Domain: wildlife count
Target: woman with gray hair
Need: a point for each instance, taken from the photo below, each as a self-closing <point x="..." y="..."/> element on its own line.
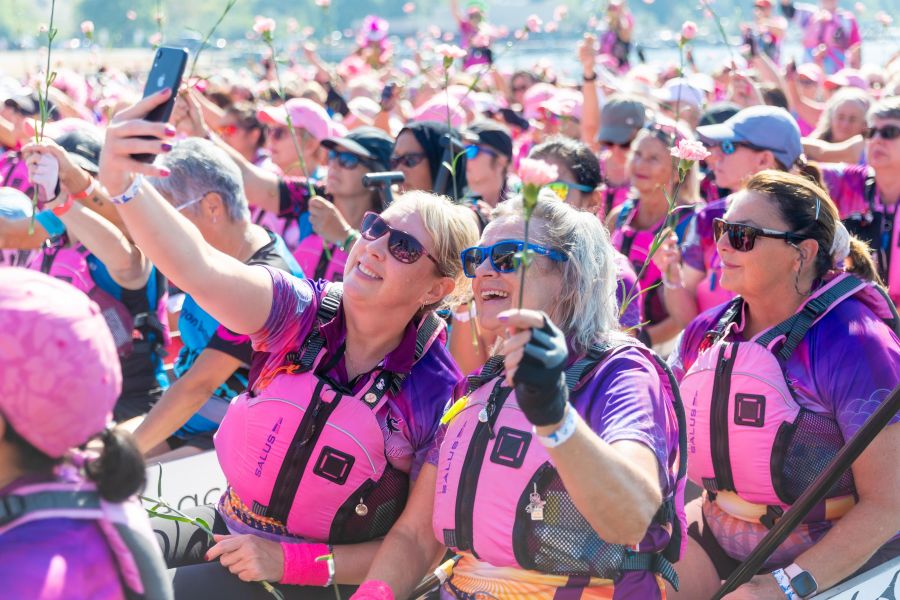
<point x="515" y="478"/>
<point x="213" y="366"/>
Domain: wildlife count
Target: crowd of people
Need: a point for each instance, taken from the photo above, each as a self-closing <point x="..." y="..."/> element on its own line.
<point x="556" y="338"/>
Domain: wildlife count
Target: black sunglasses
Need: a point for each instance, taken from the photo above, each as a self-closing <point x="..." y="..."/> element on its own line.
<point x="410" y="161"/>
<point x="402" y="246"/>
<point x="347" y="160"/>
<point x="888" y="132"/>
<point x="611" y="145"/>
<point x="743" y="237"/>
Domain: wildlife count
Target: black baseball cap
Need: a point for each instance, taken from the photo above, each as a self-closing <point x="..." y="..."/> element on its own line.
<point x="27" y="104"/>
<point x="83" y="147"/>
<point x="493" y="134"/>
<point x="369" y="142"/>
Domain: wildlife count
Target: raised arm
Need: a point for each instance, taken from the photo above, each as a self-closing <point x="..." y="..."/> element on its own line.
<point x="237" y="295"/>
<point x="590" y="118"/>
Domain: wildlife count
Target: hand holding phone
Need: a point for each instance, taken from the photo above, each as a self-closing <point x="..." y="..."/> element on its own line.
<point x="166" y="73"/>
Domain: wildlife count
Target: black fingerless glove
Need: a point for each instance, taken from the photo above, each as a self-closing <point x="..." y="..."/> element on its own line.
<point x="539" y="381"/>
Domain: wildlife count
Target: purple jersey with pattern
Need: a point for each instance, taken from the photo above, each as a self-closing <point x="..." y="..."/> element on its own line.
<point x="409" y="419"/>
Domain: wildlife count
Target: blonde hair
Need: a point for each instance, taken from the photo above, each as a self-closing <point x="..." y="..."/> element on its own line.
<point x="586" y="307"/>
<point x="452" y="227"/>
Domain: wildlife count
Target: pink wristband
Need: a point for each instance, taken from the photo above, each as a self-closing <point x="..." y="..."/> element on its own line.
<point x="373" y="590"/>
<point x="301" y="567"/>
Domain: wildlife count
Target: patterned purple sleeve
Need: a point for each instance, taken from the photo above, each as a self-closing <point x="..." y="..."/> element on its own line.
<point x="293" y="196"/>
<point x="289" y="320"/>
<point x="626" y="400"/>
<point x="855" y="364"/>
<point x="698" y="237"/>
<point x="846" y="184"/>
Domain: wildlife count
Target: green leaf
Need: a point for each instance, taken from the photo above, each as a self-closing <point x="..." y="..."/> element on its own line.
<point x="449" y="167"/>
<point x="203" y="525"/>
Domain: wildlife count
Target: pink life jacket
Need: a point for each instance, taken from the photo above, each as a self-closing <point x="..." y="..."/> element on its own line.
<point x="14" y="173"/>
<point x="315" y="261"/>
<point x="129" y="331"/>
<point x="124" y="526"/>
<point x="635" y="244"/>
<point x="499" y="496"/>
<point x="747" y="435"/>
<point x="710" y="292"/>
<point x="305" y="457"/>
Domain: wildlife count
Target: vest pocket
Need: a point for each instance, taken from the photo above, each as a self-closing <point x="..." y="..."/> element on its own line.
<point x="383" y="502"/>
<point x="562" y="542"/>
<point x="801" y="452"/>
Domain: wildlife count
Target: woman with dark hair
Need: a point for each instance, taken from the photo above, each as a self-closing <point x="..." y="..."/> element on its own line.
<point x="801" y="357"/>
<point x="420" y="152"/>
<point x="66" y="509"/>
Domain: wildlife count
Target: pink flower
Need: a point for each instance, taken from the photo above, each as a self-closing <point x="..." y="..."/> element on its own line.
<point x="449" y="51"/>
<point x="409" y="7"/>
<point x="688" y="31"/>
<point x="520" y="34"/>
<point x="691" y="150"/>
<point x="884" y="18"/>
<point x="131" y="15"/>
<point x="481" y="40"/>
<point x="533" y="23"/>
<point x="859" y="7"/>
<point x="87" y="27"/>
<point x="434" y="31"/>
<point x="263" y="25"/>
<point x="592" y="23"/>
<point x="502" y="31"/>
<point x="448" y="36"/>
<point x="323" y="3"/>
<point x="293" y="25"/>
<point x="155" y="39"/>
<point x="537" y="172"/>
<point x="551" y="26"/>
<point x="561" y="12"/>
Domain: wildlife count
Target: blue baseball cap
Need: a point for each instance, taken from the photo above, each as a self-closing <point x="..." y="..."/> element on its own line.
<point x="767" y="127"/>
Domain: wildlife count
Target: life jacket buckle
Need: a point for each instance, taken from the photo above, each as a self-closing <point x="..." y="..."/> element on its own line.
<point x="773" y="513"/>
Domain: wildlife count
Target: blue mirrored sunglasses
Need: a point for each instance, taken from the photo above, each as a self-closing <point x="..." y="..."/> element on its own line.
<point x="503" y="256"/>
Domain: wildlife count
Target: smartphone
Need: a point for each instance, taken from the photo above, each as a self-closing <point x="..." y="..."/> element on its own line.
<point x="388" y="92"/>
<point x="166" y="72"/>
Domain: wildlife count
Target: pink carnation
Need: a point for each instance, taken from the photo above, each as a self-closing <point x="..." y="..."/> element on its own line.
<point x="537" y="172"/>
<point x="323" y="3"/>
<point x="884" y="18"/>
<point x="409" y="7"/>
<point x="688" y="31"/>
<point x="533" y="23"/>
<point x="690" y="150"/>
<point x="561" y="12"/>
<point x="87" y="27"/>
<point x="860" y="7"/>
<point x="551" y="27"/>
<point x="264" y="25"/>
<point x="449" y="51"/>
<point x="131" y="15"/>
<point x="155" y="39"/>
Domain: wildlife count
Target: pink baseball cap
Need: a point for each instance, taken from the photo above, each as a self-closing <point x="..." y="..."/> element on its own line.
<point x="531" y="101"/>
<point x="436" y="109"/>
<point x="565" y="103"/>
<point x="304" y="113"/>
<point x="61" y="375"/>
<point x="811" y="71"/>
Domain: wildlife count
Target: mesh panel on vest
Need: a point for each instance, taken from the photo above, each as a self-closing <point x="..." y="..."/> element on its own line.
<point x="809" y="446"/>
<point x="563" y="543"/>
<point x="384" y="502"/>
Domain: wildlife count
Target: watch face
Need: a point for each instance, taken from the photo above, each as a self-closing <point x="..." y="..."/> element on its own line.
<point x="804" y="584"/>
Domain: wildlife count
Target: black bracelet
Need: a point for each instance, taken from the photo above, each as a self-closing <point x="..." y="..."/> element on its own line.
<point x="593" y="77"/>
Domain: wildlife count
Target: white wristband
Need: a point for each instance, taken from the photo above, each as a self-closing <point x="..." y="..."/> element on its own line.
<point x="330" y="564"/>
<point x="129" y="194"/>
<point x="784" y="582"/>
<point x="562" y="434"/>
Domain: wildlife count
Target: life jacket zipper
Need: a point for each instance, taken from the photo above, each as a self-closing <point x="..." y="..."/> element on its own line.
<point x="299" y="452"/>
<point x="471" y="468"/>
<point x="721" y="400"/>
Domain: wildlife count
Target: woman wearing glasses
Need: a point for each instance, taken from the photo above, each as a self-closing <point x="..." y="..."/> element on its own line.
<point x="513" y="484"/>
<point x="635" y="223"/>
<point x="777" y="381"/>
<point x="347" y="389"/>
<point x="867" y="196"/>
<point x="754" y="139"/>
<point x="420" y="153"/>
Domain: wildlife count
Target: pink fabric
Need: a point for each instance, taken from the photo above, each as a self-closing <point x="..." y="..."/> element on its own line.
<point x="301" y="566"/>
<point x="373" y="590"/>
<point x="61" y="373"/>
<point x="304" y="113"/>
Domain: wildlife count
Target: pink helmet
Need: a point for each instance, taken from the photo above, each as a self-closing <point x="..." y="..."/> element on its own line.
<point x="61" y="374"/>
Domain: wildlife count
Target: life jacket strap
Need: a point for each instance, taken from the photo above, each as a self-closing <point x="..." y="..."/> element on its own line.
<point x="651" y="561"/>
<point x="17" y="506"/>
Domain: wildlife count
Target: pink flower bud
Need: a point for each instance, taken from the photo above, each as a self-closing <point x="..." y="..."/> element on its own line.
<point x="409" y="7"/>
<point x="87" y="27"/>
<point x="688" y="31"/>
<point x="533" y="23"/>
<point x="264" y="25"/>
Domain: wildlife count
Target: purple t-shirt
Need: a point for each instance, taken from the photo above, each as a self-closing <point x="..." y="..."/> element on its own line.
<point x="625" y="398"/>
<point x="627" y="286"/>
<point x="408" y="420"/>
<point x="57" y="559"/>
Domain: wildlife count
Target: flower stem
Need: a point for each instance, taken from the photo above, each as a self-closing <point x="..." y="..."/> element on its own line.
<point x="42" y="103"/>
<point x="209" y="34"/>
<point x="524" y="263"/>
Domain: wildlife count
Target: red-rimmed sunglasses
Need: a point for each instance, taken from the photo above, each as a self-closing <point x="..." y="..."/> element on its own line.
<point x="742" y="237"/>
<point x="401" y="245"/>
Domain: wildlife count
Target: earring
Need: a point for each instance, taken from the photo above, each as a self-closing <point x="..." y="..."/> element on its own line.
<point x="797" y="282"/>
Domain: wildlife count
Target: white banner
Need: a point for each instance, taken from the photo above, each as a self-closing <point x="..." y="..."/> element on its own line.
<point x="187" y="482"/>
